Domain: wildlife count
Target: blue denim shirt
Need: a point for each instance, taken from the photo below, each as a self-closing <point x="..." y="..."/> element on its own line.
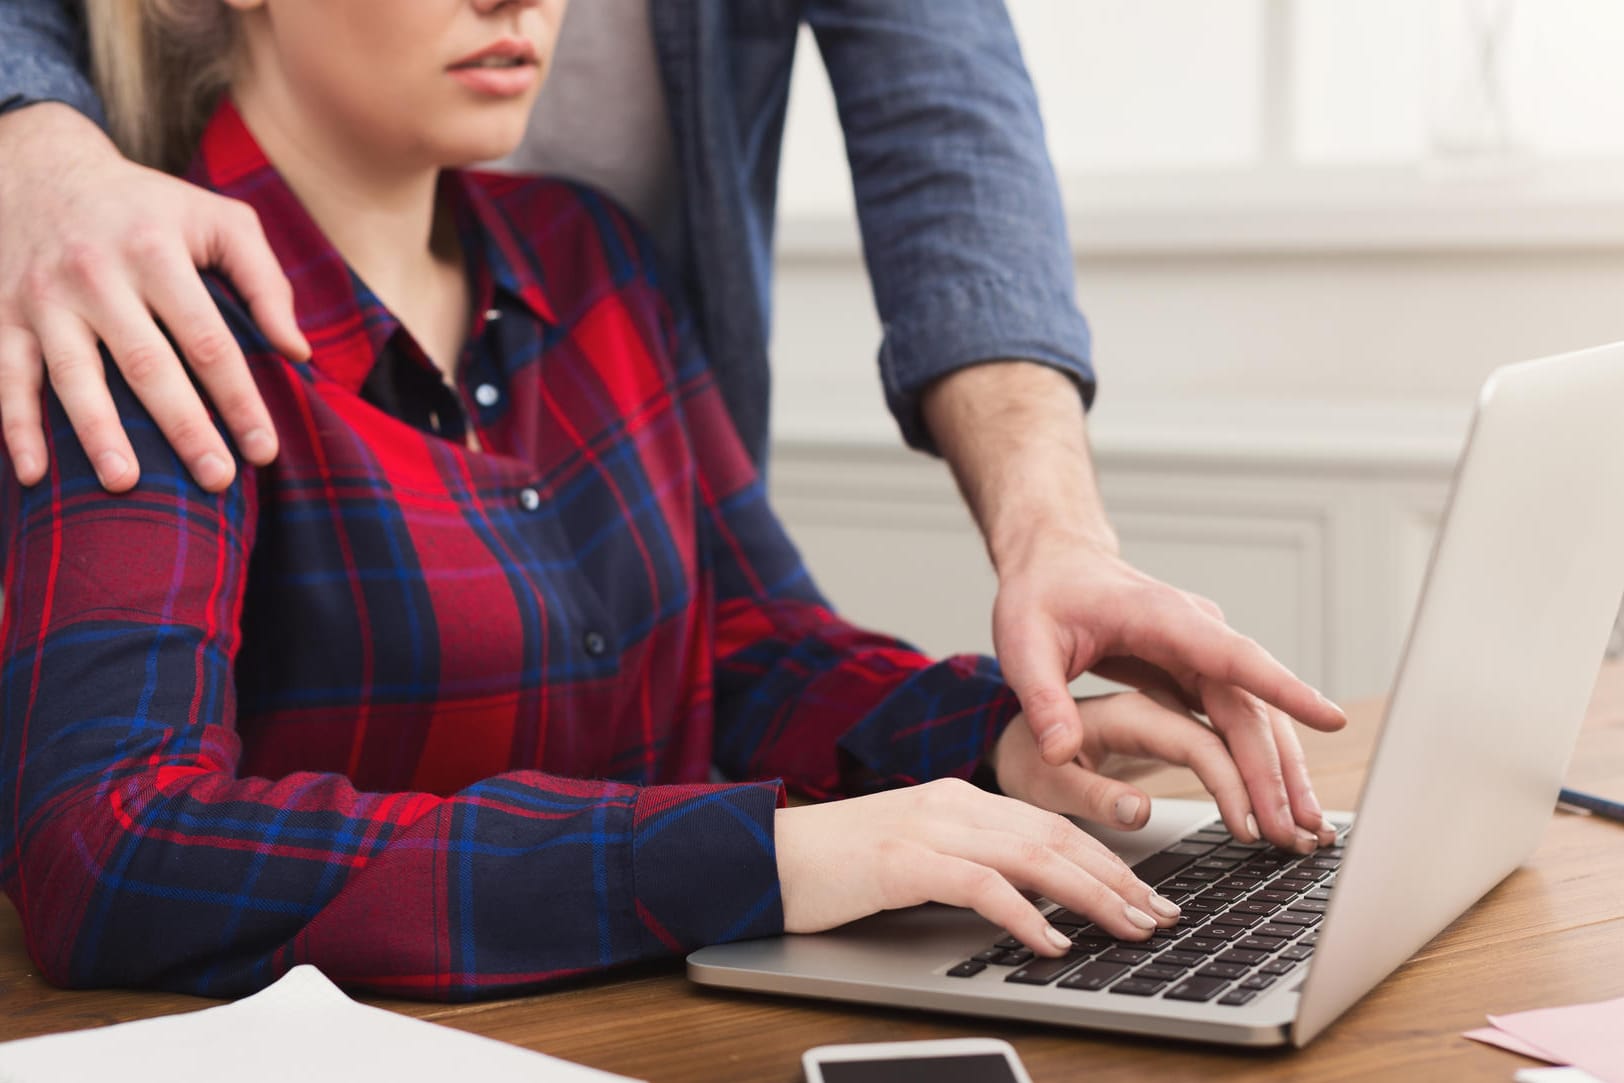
<point x="960" y="215"/>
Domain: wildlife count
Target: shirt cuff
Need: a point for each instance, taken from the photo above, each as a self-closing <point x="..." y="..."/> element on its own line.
<point x="705" y="864"/>
<point x="941" y="724"/>
<point x="970" y="323"/>
<point x="48" y="84"/>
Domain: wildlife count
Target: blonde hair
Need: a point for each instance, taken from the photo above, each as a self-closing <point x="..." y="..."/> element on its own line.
<point x="160" y="66"/>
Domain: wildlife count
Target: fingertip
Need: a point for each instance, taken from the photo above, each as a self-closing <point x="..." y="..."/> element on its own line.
<point x="116" y="472"/>
<point x="29" y="467"/>
<point x="1131" y="809"/>
<point x="1059" y="743"/>
<point x="258" y="445"/>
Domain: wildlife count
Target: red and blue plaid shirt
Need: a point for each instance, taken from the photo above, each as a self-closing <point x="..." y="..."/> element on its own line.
<point x="438" y="721"/>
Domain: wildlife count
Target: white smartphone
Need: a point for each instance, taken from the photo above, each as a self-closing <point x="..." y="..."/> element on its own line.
<point x="948" y="1060"/>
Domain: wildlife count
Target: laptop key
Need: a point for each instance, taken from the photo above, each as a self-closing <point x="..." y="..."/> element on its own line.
<point x="1158" y="867"/>
<point x="1308" y="905"/>
<point x="1202" y="944"/>
<point x="1275" y="896"/>
<point x="1042" y="971"/>
<point x="1192" y="848"/>
<point x="1138" y="987"/>
<point x="1262" y="943"/>
<point x="1181" y="958"/>
<point x="988" y="956"/>
<point x="967" y="969"/>
<point x="1197" y="989"/>
<point x="1278" y="966"/>
<point x="1277" y="931"/>
<point x="1298" y="951"/>
<point x="1093" y="976"/>
<point x="1125" y="955"/>
<point x="1157" y="972"/>
<point x="1243" y="957"/>
<point x="1237" y="997"/>
<point x="1226" y="971"/>
<point x="1259" y="981"/>
<point x="1296" y="917"/>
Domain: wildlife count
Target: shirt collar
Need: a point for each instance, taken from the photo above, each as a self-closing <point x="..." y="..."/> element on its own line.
<point x="346" y="324"/>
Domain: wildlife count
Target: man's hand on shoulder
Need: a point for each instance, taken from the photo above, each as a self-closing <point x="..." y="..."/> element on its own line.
<point x="99" y="248"/>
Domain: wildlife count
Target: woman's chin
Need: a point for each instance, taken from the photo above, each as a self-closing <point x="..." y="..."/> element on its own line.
<point x="475" y="143"/>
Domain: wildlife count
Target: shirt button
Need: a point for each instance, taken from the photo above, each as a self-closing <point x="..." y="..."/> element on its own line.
<point x="492" y="315"/>
<point x="529" y="499"/>
<point x="594" y="644"/>
<point x="486" y="394"/>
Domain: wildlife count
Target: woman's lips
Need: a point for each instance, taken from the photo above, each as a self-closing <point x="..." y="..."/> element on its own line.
<point x="502" y="69"/>
<point x="497" y="82"/>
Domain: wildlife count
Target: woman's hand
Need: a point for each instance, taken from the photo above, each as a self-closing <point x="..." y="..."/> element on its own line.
<point x="1155" y="725"/>
<point x="950" y="842"/>
<point x="98" y="248"/>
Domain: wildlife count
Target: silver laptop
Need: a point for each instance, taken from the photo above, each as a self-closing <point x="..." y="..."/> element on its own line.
<point x="1525" y="579"/>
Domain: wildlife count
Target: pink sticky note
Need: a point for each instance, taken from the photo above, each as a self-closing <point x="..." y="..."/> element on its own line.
<point x="1503" y="1040"/>
<point x="1588" y="1036"/>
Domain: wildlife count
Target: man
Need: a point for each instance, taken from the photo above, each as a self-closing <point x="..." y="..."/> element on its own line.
<point x="984" y="358"/>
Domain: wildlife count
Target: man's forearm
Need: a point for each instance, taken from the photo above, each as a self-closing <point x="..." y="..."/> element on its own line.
<point x="1016" y="436"/>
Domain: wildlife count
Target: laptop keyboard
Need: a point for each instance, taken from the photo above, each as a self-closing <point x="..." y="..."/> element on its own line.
<point x="1251" y="916"/>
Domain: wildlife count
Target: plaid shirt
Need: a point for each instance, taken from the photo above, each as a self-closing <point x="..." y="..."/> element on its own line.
<point x="437" y="721"/>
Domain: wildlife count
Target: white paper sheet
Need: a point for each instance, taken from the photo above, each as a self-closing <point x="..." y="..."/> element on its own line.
<point x="302" y="1028"/>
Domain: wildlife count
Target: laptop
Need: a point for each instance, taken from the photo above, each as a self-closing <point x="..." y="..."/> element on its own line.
<point x="1519" y="599"/>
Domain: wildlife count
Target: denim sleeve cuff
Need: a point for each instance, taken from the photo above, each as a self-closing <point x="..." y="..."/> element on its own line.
<point x="969" y="323"/>
<point x="52" y="84"/>
<point x="705" y="864"/>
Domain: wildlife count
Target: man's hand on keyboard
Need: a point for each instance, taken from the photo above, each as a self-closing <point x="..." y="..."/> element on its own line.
<point x="1248" y="759"/>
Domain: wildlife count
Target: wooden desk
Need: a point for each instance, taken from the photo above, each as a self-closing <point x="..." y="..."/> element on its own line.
<point x="1552" y="934"/>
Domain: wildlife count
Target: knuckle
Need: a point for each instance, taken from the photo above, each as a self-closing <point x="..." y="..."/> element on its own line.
<point x="1059" y="833"/>
<point x="1033" y="853"/>
<point x="144" y="363"/>
<point x="83" y="262"/>
<point x="944" y="793"/>
<point x="190" y="435"/>
<point x="981" y="883"/>
<point x="241" y="217"/>
<point x="38" y="286"/>
<point x="210" y="348"/>
<point x="147" y="243"/>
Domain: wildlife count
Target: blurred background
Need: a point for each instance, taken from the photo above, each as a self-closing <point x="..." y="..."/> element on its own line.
<point x="1304" y="232"/>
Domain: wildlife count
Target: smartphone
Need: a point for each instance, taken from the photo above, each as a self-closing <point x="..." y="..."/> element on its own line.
<point x="949" y="1060"/>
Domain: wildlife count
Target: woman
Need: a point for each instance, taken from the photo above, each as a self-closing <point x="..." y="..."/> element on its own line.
<point x="431" y="702"/>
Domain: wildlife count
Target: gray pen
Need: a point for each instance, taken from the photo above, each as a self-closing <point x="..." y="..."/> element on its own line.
<point x="1600" y="806"/>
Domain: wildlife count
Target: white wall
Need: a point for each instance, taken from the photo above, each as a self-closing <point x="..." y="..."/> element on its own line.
<point x="1296" y="277"/>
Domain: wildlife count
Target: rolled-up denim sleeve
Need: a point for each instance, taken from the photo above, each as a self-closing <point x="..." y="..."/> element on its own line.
<point x="42" y="56"/>
<point x="960" y="212"/>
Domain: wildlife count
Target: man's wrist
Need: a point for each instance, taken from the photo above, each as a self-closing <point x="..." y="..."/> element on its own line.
<point x="1015" y="434"/>
<point x="47" y="127"/>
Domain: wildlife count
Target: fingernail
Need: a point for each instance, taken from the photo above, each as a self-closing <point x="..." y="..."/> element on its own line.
<point x="1056" y="938"/>
<point x="258" y="445"/>
<point x="1167" y="908"/>
<point x="110" y="466"/>
<point x="1252" y="829"/>
<point x="1127" y="808"/>
<point x="1139" y="917"/>
<point x="1306" y="842"/>
<point x="26" y="464"/>
<point x="211" y="471"/>
<point x="1047" y="738"/>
